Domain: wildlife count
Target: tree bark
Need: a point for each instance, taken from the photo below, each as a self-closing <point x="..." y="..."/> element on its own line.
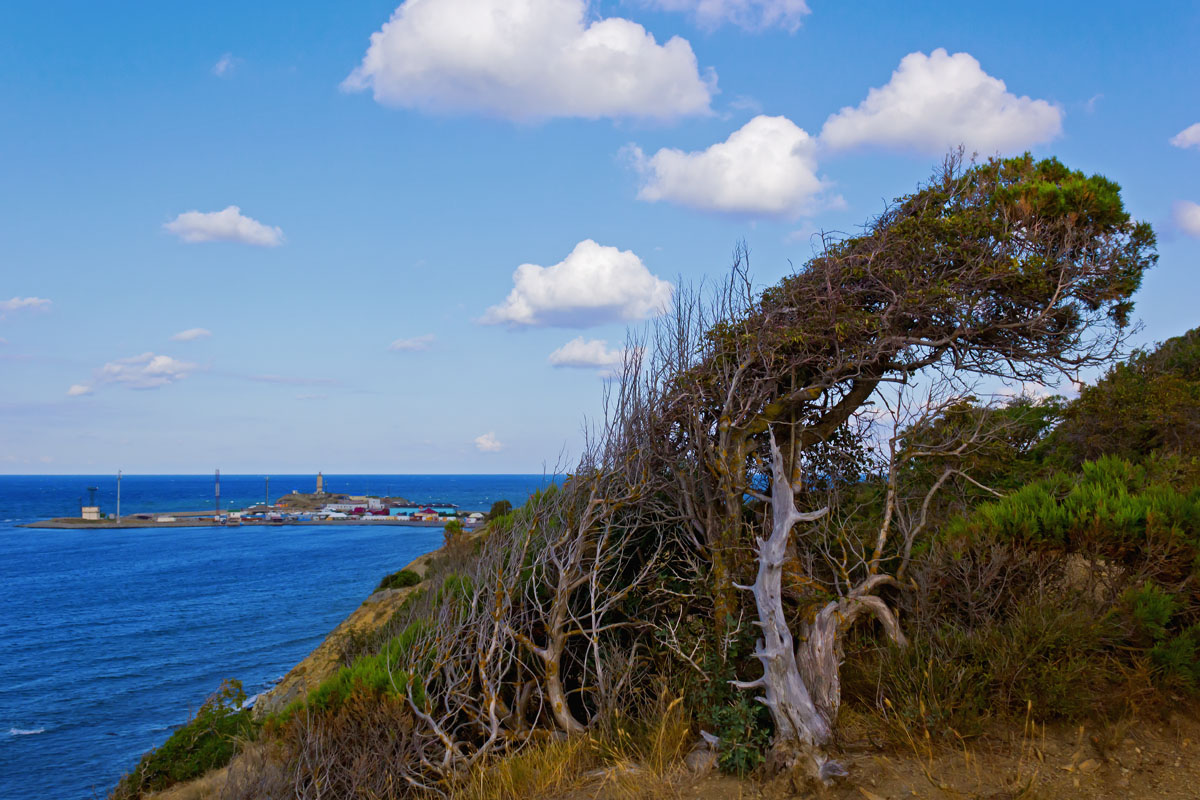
<point x="798" y="722"/>
<point x="801" y="683"/>
<point x="819" y="653"/>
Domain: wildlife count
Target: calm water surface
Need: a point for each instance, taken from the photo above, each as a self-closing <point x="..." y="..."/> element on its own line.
<point x="110" y="638"/>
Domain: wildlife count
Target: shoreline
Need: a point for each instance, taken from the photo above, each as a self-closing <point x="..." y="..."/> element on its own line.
<point x="74" y="524"/>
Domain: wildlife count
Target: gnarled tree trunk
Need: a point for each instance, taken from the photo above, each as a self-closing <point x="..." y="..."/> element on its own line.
<point x="801" y="682"/>
<point x="799" y="726"/>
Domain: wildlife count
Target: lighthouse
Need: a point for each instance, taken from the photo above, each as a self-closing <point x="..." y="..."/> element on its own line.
<point x="320" y="483"/>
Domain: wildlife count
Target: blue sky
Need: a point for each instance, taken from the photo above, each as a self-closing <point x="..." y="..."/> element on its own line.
<point x="357" y="309"/>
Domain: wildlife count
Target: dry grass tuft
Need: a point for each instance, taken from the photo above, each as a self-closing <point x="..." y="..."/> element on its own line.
<point x="620" y="760"/>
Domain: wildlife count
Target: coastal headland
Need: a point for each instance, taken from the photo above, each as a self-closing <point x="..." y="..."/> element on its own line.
<point x="206" y="521"/>
<point x="295" y="508"/>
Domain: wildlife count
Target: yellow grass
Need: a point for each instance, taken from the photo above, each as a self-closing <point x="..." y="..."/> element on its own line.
<point x="620" y="761"/>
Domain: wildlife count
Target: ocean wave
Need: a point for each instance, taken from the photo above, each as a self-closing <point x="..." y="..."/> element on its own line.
<point x="25" y="731"/>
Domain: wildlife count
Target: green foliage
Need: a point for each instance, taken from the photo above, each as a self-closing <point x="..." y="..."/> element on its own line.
<point x="389" y="672"/>
<point x="499" y="509"/>
<point x="1112" y="509"/>
<point x="399" y="580"/>
<point x="1145" y="405"/>
<point x="953" y="678"/>
<point x="208" y="741"/>
<point x="742" y="724"/>
<point x="455" y="588"/>
<point x="744" y="728"/>
<point x="1157" y="621"/>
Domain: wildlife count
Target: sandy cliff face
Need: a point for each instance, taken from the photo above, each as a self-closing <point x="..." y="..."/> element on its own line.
<point x="325" y="661"/>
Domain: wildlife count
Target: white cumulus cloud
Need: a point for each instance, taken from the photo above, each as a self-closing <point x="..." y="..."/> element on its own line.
<point x="78" y="390"/>
<point x="413" y="345"/>
<point x="146" y="371"/>
<point x="587" y="354"/>
<point x="768" y="166"/>
<point x="488" y="443"/>
<point x="1188" y="137"/>
<point x="528" y="59"/>
<point x="937" y="101"/>
<point x="1187" y="217"/>
<point x="229" y="225"/>
<point x="24" y="303"/>
<point x="593" y="285"/>
<point x="191" y="335"/>
<point x="225" y="66"/>
<point x="749" y="14"/>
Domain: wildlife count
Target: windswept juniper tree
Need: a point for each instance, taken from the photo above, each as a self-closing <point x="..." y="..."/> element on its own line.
<point x="1012" y="269"/>
<point x="783" y="446"/>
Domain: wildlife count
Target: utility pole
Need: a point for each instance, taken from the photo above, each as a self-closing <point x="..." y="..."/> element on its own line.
<point x="118" y="497"/>
<point x="267" y="494"/>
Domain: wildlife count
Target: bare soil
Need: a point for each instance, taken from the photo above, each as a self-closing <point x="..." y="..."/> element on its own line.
<point x="1130" y="760"/>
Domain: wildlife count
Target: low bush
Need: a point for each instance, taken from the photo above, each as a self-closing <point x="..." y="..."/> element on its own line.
<point x="208" y="741"/>
<point x="744" y="729"/>
<point x="955" y="680"/>
<point x="399" y="580"/>
<point x="382" y="674"/>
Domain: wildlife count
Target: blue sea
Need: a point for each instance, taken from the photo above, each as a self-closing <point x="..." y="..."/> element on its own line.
<point x="109" y="639"/>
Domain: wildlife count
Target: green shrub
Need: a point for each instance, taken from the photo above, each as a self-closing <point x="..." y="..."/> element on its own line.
<point x="1111" y="510"/>
<point x="378" y="674"/>
<point x="208" y="741"/>
<point x="1153" y="614"/>
<point x="399" y="580"/>
<point x="744" y="729"/>
<point x="953" y="679"/>
<point x="455" y="588"/>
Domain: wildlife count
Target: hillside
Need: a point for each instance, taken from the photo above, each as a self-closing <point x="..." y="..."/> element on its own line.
<point x="814" y="531"/>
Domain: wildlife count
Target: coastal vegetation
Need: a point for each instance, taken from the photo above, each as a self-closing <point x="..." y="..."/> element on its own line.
<point x="399" y="580"/>
<point x="207" y="741"/>
<point x="811" y="503"/>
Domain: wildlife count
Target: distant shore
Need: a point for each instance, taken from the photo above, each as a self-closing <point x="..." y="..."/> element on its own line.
<point x="74" y="523"/>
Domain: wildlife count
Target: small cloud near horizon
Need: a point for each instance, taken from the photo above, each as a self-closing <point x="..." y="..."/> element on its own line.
<point x="581" y="353"/>
<point x="488" y="443"/>
<point x="225" y="65"/>
<point x="23" y="304"/>
<point x="191" y="335"/>
<point x="414" y="345"/>
<point x="145" y="371"/>
<point x="227" y="225"/>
